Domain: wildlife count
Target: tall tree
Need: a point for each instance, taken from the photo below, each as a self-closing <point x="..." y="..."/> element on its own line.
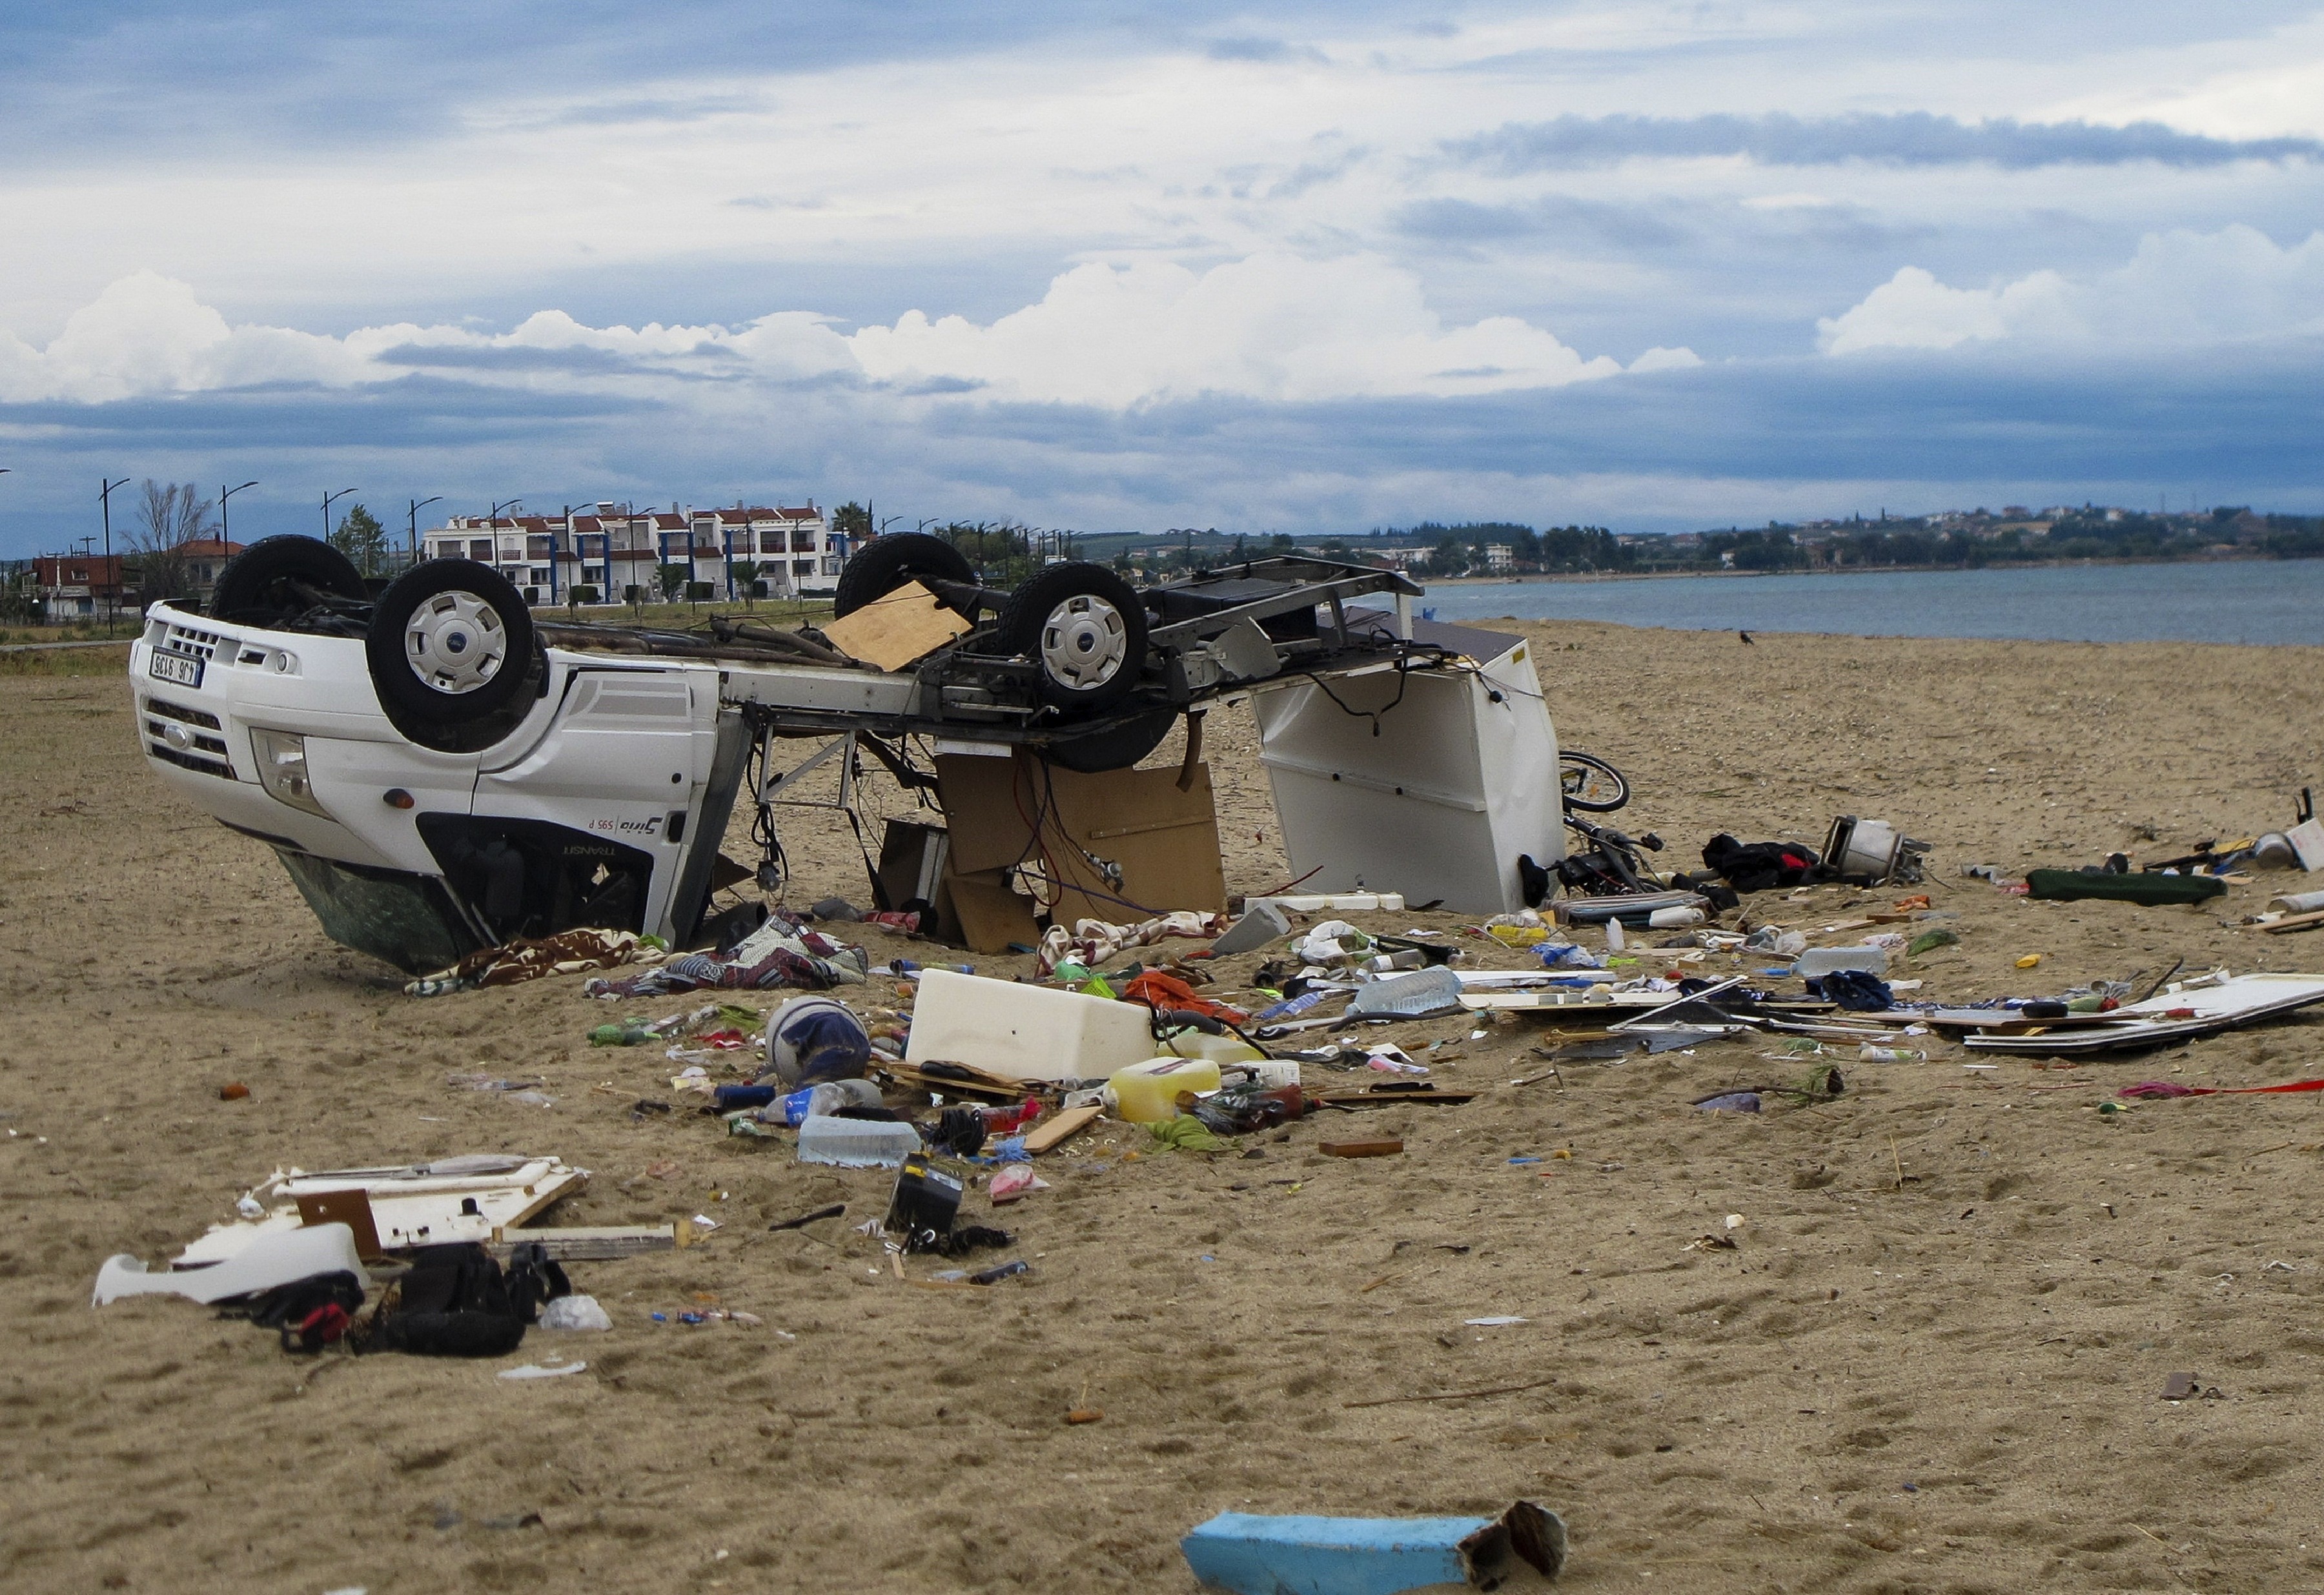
<point x="362" y="538"/>
<point x="20" y="596"/>
<point x="743" y="573"/>
<point x="169" y="515"/>
<point x="852" y="520"/>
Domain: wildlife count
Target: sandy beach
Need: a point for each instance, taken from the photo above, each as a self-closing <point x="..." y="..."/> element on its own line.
<point x="1934" y="1360"/>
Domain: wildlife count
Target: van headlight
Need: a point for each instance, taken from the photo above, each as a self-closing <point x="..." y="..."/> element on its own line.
<point x="282" y="769"/>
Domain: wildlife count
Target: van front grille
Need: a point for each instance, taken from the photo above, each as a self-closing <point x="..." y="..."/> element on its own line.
<point x="178" y="712"/>
<point x="194" y="762"/>
<point x="192" y="644"/>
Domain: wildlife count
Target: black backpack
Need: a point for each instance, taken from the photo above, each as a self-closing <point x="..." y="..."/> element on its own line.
<point x="1758" y="866"/>
<point x="456" y="1303"/>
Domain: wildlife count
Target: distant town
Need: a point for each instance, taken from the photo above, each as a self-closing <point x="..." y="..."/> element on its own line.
<point x="1956" y="539"/>
<point x="621" y="553"/>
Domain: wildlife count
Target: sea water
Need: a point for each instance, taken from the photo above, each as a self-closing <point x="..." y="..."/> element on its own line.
<point x="2254" y="600"/>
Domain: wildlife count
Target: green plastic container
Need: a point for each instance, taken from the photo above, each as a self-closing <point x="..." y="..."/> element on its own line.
<point x="2066" y="885"/>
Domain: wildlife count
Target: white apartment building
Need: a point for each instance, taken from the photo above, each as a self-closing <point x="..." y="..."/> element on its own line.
<point x="611" y="548"/>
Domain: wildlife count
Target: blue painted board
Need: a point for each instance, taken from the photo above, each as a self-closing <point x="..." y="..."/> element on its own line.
<point x="1258" y="1555"/>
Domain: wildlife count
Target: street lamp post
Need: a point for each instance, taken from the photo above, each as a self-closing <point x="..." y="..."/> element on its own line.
<point x="226" y="533"/>
<point x="629" y="540"/>
<point x="492" y="526"/>
<point x="418" y="505"/>
<point x="104" y="508"/>
<point x="327" y="499"/>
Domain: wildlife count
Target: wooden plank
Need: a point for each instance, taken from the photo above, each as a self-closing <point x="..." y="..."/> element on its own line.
<point x="910" y="623"/>
<point x="2002" y="1018"/>
<point x="1390" y="1099"/>
<point x="547" y="1193"/>
<point x="585" y="1243"/>
<point x="351" y="1208"/>
<point x="1049" y="1132"/>
<point x="989" y="1088"/>
<point x="1384" y="1148"/>
<point x="2297" y="922"/>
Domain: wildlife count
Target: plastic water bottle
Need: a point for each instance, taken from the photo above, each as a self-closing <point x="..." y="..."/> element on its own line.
<point x="1009" y="1120"/>
<point x="1866" y="959"/>
<point x="856" y="1143"/>
<point x="822" y="1101"/>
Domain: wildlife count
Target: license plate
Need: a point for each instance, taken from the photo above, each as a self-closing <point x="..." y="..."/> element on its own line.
<point x="175" y="666"/>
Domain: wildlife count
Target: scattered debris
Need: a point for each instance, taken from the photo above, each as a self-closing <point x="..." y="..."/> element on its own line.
<point x="534" y="1370"/>
<point x="1018" y="1032"/>
<point x="836" y="1210"/>
<point x="577" y="1314"/>
<point x="2179" y="1013"/>
<point x="280" y="1257"/>
<point x="2152" y="889"/>
<point x="1257" y="1555"/>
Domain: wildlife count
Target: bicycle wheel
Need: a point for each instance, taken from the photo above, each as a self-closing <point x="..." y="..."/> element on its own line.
<point x="1590" y="784"/>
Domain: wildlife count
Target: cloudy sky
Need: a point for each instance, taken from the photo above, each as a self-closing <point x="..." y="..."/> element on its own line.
<point x="1299" y="267"/>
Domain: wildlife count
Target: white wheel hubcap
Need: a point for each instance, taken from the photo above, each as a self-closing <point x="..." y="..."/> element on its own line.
<point x="1084" y="643"/>
<point x="455" y="642"/>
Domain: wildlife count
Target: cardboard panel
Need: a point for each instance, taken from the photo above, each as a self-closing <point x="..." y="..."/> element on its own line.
<point x="1163" y="842"/>
<point x="891" y="633"/>
<point x="984" y="914"/>
<point x="981" y="799"/>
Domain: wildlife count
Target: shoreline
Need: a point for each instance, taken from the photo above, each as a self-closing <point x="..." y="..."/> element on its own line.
<point x="1655" y="575"/>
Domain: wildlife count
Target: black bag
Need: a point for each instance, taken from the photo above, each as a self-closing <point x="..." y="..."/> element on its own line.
<point x="1535" y="883"/>
<point x="291" y="1303"/>
<point x="307" y="1313"/>
<point x="534" y="1278"/>
<point x="1757" y="866"/>
<point x="454" y="1302"/>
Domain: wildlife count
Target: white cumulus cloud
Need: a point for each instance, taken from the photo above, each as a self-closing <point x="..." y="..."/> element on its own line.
<point x="147" y="334"/>
<point x="1270" y="326"/>
<point x="2181" y="287"/>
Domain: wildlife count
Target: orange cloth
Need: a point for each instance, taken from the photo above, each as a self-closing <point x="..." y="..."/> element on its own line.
<point x="1157" y="990"/>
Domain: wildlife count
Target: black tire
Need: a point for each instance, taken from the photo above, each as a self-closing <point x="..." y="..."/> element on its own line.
<point x="453" y="655"/>
<point x="1117" y="748"/>
<point x="887" y="563"/>
<point x="1589" y="784"/>
<point x="256" y="586"/>
<point x="1085" y="627"/>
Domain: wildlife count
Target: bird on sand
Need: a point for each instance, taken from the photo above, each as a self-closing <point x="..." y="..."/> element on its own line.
<point x="1747" y="639"/>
